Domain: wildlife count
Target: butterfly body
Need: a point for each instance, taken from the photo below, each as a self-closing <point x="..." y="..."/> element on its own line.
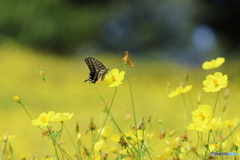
<point x="97" y="69"/>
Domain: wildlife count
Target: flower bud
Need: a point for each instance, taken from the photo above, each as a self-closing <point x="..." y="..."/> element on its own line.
<point x="16" y="99"/>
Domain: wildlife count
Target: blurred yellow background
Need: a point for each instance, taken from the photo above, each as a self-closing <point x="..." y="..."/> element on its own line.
<point x="66" y="92"/>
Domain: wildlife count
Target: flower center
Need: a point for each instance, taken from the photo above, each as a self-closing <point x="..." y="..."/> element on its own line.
<point x="202" y="116"/>
<point x="113" y="78"/>
<point x="213" y="61"/>
<point x="43" y="119"/>
<point x="215" y="82"/>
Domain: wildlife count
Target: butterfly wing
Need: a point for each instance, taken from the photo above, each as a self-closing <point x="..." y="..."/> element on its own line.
<point x="97" y="69"/>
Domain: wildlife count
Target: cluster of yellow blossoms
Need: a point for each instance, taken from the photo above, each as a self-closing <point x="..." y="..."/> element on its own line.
<point x="44" y="118"/>
<point x="203" y="119"/>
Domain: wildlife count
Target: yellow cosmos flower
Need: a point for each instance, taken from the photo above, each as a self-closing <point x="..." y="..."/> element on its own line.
<point x="202" y="114"/>
<point x="113" y="150"/>
<point x="236" y="139"/>
<point x="206" y="126"/>
<point x="231" y="123"/>
<point x="217" y="146"/>
<point x="43" y="119"/>
<point x="60" y="117"/>
<point x="213" y="124"/>
<point x="99" y="145"/>
<point x="180" y="90"/>
<point x="105" y="131"/>
<point x="214" y="83"/>
<point x="215" y="63"/>
<point x="114" y="78"/>
<point x="115" y="138"/>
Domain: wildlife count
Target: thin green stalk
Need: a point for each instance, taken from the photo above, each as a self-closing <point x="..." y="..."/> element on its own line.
<point x="156" y="112"/>
<point x="61" y="131"/>
<point x="207" y="151"/>
<point x="190" y="99"/>
<point x="26" y="111"/>
<point x="3" y="146"/>
<point x="133" y="107"/>
<point x="234" y="103"/>
<point x="215" y="105"/>
<point x="54" y="143"/>
<point x="131" y="94"/>
<point x="29" y="114"/>
<point x="93" y="142"/>
<point x="70" y="137"/>
<point x="54" y="104"/>
<point x="105" y="120"/>
<point x="109" y="114"/>
<point x="196" y="146"/>
<point x="120" y="131"/>
<point x="230" y="133"/>
<point x="184" y="111"/>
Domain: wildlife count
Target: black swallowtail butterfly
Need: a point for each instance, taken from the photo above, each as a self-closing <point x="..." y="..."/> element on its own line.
<point x="97" y="69"/>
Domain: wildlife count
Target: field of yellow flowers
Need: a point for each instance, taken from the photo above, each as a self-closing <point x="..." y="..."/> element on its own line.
<point x="141" y="110"/>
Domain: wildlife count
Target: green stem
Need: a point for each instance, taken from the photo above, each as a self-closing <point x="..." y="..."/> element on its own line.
<point x="195" y="152"/>
<point x="156" y="112"/>
<point x="131" y="94"/>
<point x="105" y="120"/>
<point x="54" y="143"/>
<point x="93" y="142"/>
<point x="234" y="103"/>
<point x="61" y="131"/>
<point x="184" y="111"/>
<point x="26" y="111"/>
<point x="54" y="104"/>
<point x="230" y="133"/>
<point x="207" y="151"/>
<point x="70" y="138"/>
<point x="3" y="146"/>
<point x="132" y="101"/>
<point x="215" y="104"/>
<point x="29" y="115"/>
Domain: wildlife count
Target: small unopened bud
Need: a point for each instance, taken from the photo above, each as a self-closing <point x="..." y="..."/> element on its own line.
<point x="105" y="156"/>
<point x="206" y="145"/>
<point x="160" y="121"/>
<point x="5" y="137"/>
<point x="141" y="125"/>
<point x="199" y="98"/>
<point x="16" y="99"/>
<point x="77" y="128"/>
<point x="224" y="107"/>
<point x="128" y="116"/>
<point x="149" y="119"/>
<point x="172" y="133"/>
<point x="86" y="151"/>
<point x="79" y="136"/>
<point x="186" y="75"/>
<point x="184" y="137"/>
<point x="42" y="72"/>
<point x="226" y="93"/>
<point x="127" y="60"/>
<point x="123" y="142"/>
<point x="23" y="157"/>
<point x="10" y="148"/>
<point x="92" y="126"/>
<point x="113" y="150"/>
<point x="168" y="85"/>
<point x="162" y="134"/>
